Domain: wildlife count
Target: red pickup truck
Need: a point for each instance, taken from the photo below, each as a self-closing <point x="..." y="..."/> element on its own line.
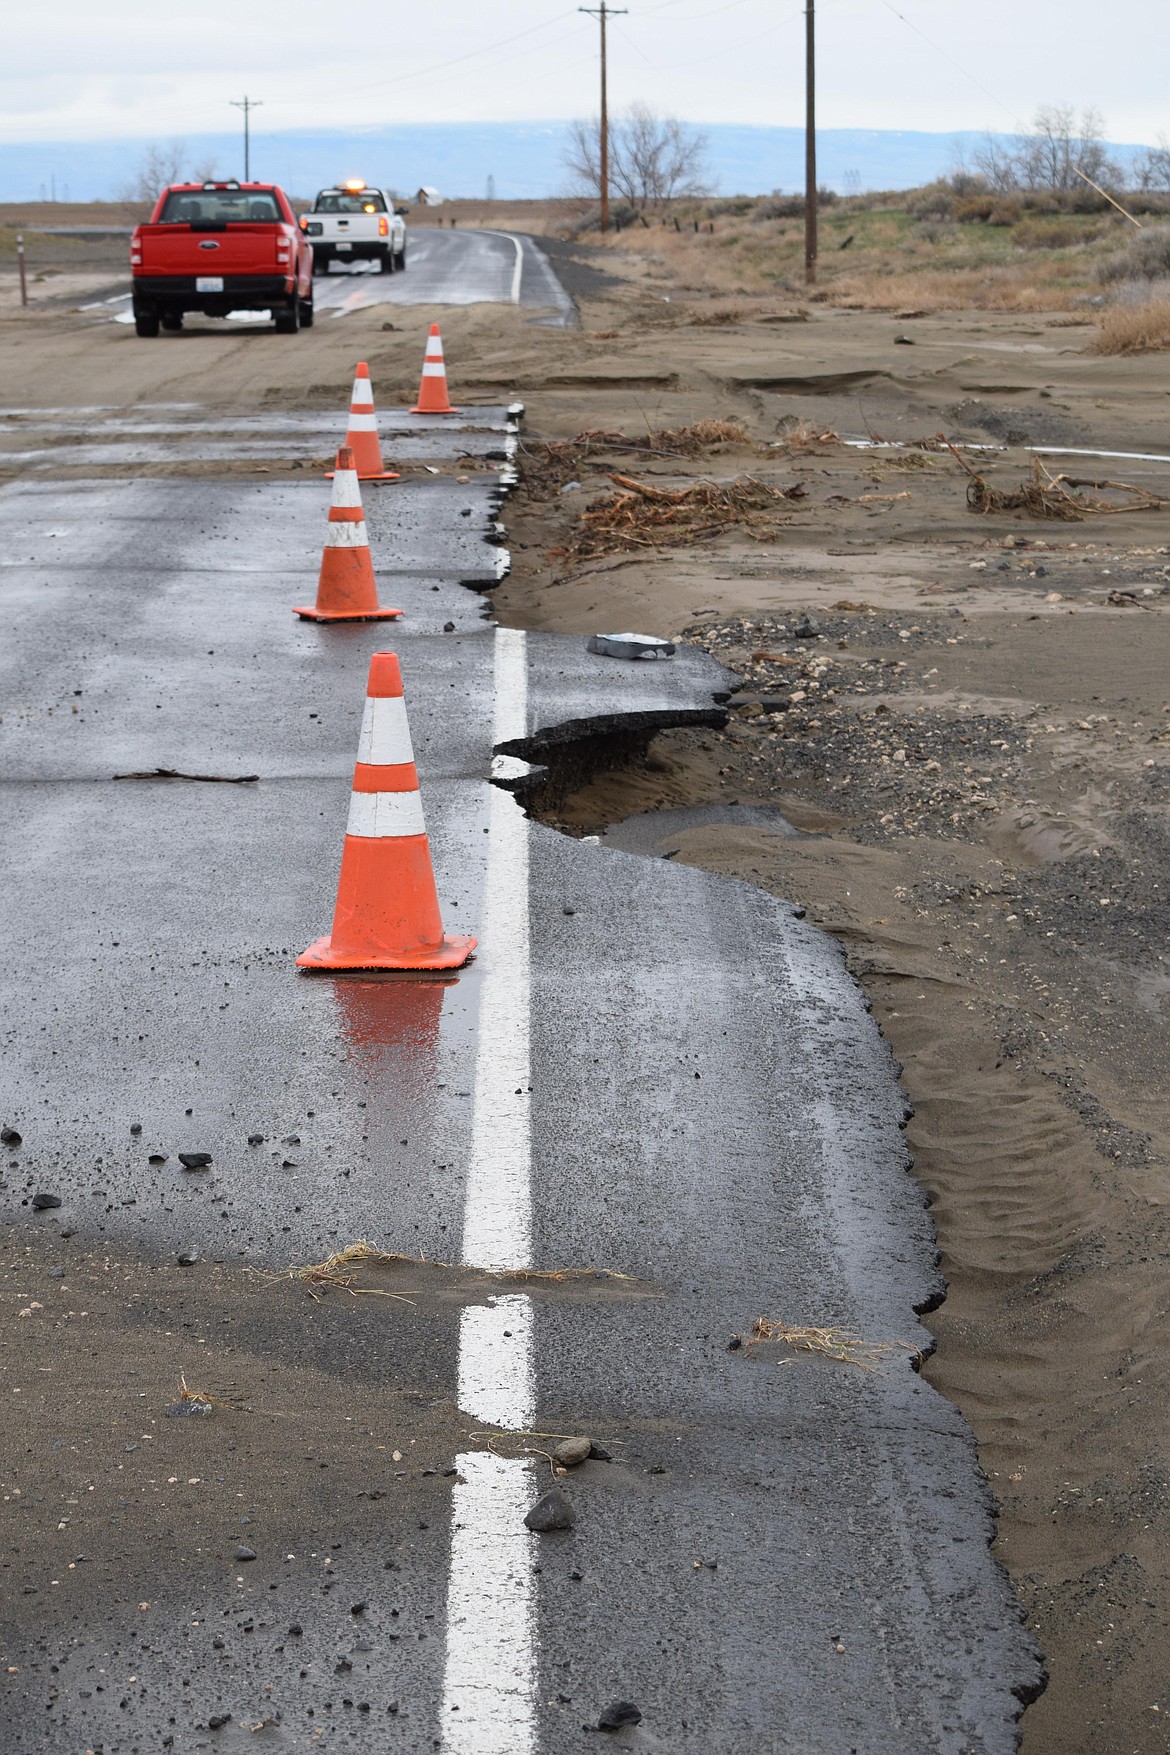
<point x="220" y="247"/>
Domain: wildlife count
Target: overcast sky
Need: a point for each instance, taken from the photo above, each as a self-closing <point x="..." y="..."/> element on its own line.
<point x="133" y="67"/>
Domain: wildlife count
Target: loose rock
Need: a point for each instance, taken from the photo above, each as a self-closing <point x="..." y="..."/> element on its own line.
<point x="187" y="1257"/>
<point x="618" y="1714"/>
<point x="188" y="1410"/>
<point x="43" y="1201"/>
<point x="553" y="1512"/>
<point x="9" y="1136"/>
<point x="572" y="1451"/>
<point x="195" y="1160"/>
<point x="244" y="1553"/>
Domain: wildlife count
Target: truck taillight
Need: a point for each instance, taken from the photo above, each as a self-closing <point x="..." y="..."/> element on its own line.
<point x="383" y="227"/>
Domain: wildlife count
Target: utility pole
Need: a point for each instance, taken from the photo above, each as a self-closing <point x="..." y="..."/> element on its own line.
<point x="248" y="104"/>
<point x="810" y="145"/>
<point x="601" y="13"/>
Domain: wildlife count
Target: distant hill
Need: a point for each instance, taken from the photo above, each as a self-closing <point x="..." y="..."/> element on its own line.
<point x="523" y="159"/>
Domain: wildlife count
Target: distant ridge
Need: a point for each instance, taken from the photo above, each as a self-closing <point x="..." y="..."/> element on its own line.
<point x="458" y="157"/>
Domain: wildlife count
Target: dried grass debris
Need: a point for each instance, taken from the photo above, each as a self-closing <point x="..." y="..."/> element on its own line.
<point x="643" y="516"/>
<point x="334" y="1271"/>
<point x="337" y="1272"/>
<point x="548" y="465"/>
<point x="1044" y="495"/>
<point x="832" y="1342"/>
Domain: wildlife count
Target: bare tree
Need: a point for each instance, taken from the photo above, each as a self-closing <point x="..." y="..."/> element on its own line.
<point x="158" y="166"/>
<point x="996" y="160"/>
<point x="652" y="158"/>
<point x="581" y="157"/>
<point x="1060" y="145"/>
<point x="1151" y="168"/>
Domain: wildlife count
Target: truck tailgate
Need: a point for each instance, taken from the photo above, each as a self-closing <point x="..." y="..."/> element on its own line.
<point x="238" y="249"/>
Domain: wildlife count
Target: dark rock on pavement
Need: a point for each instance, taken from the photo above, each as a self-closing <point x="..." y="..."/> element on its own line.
<point x="552" y="1512"/>
<point x="618" y="1714"/>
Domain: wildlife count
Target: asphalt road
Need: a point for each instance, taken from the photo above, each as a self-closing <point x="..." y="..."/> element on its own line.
<point x="647" y="1072"/>
<point x="452" y="268"/>
<point x="443" y="268"/>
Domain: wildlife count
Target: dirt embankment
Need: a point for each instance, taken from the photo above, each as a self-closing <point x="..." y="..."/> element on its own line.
<point x="967" y="718"/>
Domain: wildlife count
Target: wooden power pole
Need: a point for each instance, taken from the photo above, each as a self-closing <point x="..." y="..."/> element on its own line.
<point x="810" y="145"/>
<point x="248" y="104"/>
<point x="601" y="13"/>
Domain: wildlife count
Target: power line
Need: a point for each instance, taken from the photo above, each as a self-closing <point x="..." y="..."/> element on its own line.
<point x="442" y="66"/>
<point x="957" y="65"/>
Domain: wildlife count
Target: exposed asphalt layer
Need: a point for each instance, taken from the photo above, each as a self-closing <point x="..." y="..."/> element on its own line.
<point x="786" y="1553"/>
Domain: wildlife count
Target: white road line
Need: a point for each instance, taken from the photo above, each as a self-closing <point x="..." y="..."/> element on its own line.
<point x="490" y="1673"/>
<point x="518" y="270"/>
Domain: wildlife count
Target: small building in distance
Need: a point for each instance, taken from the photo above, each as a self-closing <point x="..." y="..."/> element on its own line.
<point x="427" y="197"/>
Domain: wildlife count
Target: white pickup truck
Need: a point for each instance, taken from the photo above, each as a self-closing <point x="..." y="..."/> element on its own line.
<point x="353" y="222"/>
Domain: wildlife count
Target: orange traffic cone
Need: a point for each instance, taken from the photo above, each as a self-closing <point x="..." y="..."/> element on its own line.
<point x="346" y="588"/>
<point x="432" y="390"/>
<point x="387" y="914"/>
<point x="362" y="433"/>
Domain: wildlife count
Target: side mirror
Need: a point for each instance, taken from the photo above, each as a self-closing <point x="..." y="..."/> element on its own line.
<point x="401" y="210"/>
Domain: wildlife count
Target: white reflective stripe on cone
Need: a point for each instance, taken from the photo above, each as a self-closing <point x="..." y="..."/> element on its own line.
<point x="384" y="739"/>
<point x="433" y="371"/>
<point x="378" y="815"/>
<point x="347" y="535"/>
<point x="363" y="392"/>
<point x="346" y="488"/>
<point x="435" y="348"/>
<point x="363" y="423"/>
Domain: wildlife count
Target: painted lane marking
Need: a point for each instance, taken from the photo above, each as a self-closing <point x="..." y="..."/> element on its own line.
<point x="490" y="1673"/>
<point x="487" y="1688"/>
<point x="518" y="269"/>
<point x="497" y="1206"/>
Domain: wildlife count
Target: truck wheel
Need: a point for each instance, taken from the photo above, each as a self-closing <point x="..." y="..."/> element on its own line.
<point x="172" y="321"/>
<point x="400" y="258"/>
<point x="145" y="324"/>
<point x="386" y="262"/>
<point x="306" y="306"/>
<point x="288" y="320"/>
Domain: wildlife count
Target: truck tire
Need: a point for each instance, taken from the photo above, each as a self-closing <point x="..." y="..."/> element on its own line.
<point x="307" y="310"/>
<point x="146" y="323"/>
<point x="386" y="262"/>
<point x="288" y="320"/>
<point x="400" y="258"/>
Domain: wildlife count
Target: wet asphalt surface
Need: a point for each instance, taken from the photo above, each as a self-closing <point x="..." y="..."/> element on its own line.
<point x="467" y="267"/>
<point x="785" y="1553"/>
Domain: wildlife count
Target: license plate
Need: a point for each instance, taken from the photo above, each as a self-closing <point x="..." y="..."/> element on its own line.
<point x="209" y="283"/>
<point x="345" y="246"/>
